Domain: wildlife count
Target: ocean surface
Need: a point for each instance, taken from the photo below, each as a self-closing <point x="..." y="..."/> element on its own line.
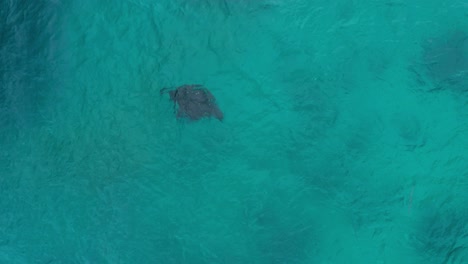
<point x="344" y="139"/>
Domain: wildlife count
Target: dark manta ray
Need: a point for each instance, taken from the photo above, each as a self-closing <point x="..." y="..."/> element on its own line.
<point x="194" y="102"/>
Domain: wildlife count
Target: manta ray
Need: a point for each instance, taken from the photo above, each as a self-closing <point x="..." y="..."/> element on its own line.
<point x="194" y="102"/>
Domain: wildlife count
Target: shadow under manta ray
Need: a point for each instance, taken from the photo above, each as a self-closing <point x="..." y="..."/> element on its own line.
<point x="194" y="102"/>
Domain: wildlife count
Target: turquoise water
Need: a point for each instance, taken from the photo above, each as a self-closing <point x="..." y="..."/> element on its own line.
<point x="344" y="140"/>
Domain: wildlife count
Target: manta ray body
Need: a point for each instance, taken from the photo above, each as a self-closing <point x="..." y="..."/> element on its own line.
<point x="194" y="102"/>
